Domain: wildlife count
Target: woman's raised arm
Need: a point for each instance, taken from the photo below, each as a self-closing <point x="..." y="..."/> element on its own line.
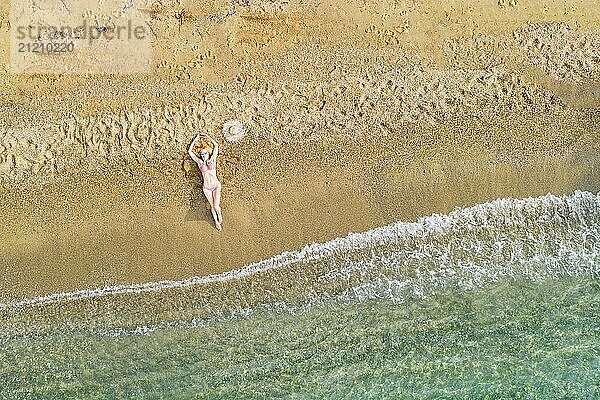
<point x="215" y="152"/>
<point x="191" y="151"/>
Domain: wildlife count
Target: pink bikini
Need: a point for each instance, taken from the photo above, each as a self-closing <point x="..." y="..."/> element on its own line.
<point x="207" y="167"/>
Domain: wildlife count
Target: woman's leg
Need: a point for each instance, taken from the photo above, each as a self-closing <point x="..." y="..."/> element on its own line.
<point x="217" y="203"/>
<point x="209" y="197"/>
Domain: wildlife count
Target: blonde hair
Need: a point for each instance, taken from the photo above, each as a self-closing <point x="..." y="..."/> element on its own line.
<point x="204" y="144"/>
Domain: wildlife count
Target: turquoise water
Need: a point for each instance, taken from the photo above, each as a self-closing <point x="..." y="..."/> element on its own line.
<point x="498" y="301"/>
<point x="510" y="341"/>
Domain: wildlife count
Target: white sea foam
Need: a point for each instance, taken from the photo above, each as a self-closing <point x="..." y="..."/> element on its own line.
<point x="581" y="207"/>
<point x="466" y="248"/>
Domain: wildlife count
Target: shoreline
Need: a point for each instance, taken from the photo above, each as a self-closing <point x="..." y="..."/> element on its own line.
<point x="353" y="121"/>
<point x="414" y="199"/>
<point x="148" y="223"/>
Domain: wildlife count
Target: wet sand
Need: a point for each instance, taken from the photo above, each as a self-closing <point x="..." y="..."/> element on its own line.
<point x="129" y="225"/>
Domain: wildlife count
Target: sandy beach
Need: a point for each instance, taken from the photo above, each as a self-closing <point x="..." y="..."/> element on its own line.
<point x="410" y="199"/>
<point x="150" y="222"/>
<point x="354" y="120"/>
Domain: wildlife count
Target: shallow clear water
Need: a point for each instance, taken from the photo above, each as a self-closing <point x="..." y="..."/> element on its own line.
<point x="501" y="300"/>
<point x="536" y="340"/>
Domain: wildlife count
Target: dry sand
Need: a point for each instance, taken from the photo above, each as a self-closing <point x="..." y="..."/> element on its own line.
<point x="358" y="114"/>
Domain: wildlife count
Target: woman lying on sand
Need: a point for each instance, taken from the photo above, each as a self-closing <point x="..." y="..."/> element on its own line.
<point x="204" y="151"/>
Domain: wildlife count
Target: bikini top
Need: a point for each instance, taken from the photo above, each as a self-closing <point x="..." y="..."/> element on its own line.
<point x="206" y="167"/>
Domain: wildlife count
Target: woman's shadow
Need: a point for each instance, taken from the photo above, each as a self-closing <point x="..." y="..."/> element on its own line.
<point x="199" y="207"/>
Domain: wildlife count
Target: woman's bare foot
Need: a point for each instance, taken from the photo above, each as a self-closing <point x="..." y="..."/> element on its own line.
<point x="218" y="226"/>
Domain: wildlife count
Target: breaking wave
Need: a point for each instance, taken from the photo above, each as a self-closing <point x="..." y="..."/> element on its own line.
<point x="528" y="239"/>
